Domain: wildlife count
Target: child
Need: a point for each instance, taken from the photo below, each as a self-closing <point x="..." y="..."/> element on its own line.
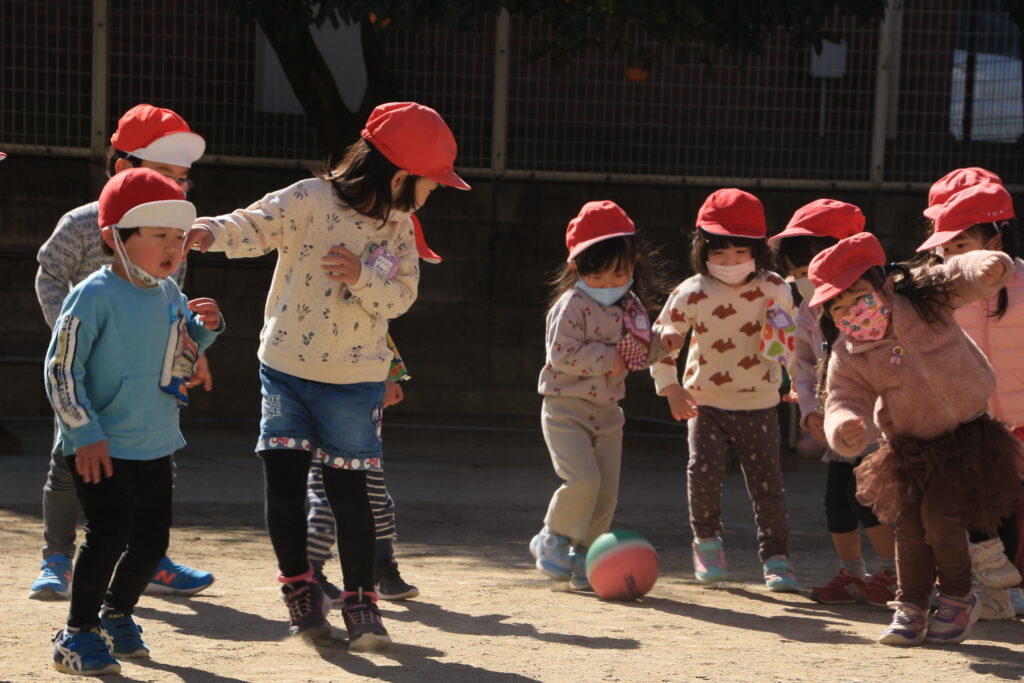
<point x="146" y="137"/>
<point x="597" y="330"/>
<point x="897" y="356"/>
<point x="113" y="375"/>
<point x="346" y="264"/>
<point x="731" y="389"/>
<point x="813" y="228"/>
<point x="995" y="325"/>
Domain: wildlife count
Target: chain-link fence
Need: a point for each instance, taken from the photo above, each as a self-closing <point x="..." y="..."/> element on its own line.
<point x="937" y="86"/>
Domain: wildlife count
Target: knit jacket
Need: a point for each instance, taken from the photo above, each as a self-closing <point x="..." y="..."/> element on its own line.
<point x="316" y="328"/>
<point x="1002" y="342"/>
<point x="919" y="381"/>
<point x="724" y="366"/>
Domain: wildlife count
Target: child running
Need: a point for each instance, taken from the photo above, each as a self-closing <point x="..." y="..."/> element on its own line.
<point x="898" y="357"/>
<point x="730" y="388"/>
<point x="813" y="228"/>
<point x="996" y="325"/>
<point x="347" y="264"/>
<point x="125" y="340"/>
<point x="597" y="331"/>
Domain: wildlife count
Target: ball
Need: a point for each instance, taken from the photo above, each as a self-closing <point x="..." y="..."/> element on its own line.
<point x="622" y="565"/>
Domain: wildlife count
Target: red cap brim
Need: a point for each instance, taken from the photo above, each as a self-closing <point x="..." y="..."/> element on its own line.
<point x="794" y="231"/>
<point x="933" y="211"/>
<point x="939" y="237"/>
<point x="451" y="179"/>
<point x="583" y="245"/>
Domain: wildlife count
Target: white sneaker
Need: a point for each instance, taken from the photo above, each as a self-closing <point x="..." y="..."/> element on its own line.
<point x="993" y="603"/>
<point x="991" y="565"/>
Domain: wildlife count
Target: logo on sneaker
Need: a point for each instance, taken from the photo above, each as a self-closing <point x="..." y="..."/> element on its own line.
<point x="165" y="577"/>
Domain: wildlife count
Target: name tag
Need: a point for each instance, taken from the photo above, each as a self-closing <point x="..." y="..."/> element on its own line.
<point x="384" y="263"/>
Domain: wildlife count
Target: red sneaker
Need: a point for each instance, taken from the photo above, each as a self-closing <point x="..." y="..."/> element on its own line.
<point x="879" y="589"/>
<point x="842" y="589"/>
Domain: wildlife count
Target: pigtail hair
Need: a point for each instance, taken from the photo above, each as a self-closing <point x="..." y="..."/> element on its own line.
<point x="829" y="333"/>
<point x="929" y="290"/>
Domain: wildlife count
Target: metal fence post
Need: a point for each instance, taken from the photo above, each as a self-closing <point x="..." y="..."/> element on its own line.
<point x="883" y="76"/>
<point x="499" y="123"/>
<point x="98" y="118"/>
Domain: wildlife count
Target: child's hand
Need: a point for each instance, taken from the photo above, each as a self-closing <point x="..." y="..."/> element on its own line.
<point x="992" y="270"/>
<point x="207" y="310"/>
<point x="92" y="462"/>
<point x="672" y="340"/>
<point x="816" y="426"/>
<point x="341" y="265"/>
<point x="198" y="237"/>
<point x="851" y="432"/>
<point x="619" y="368"/>
<point x="201" y="375"/>
<point x="680" y="402"/>
<point x="791" y="397"/>
<point x="393" y="393"/>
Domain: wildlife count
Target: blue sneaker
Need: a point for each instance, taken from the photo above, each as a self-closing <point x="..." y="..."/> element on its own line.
<point x="779" y="576"/>
<point x="85" y="653"/>
<point x="578" y="580"/>
<point x="123" y="635"/>
<point x="709" y="564"/>
<point x="177" y="579"/>
<point x="54" y="580"/>
<point x="551" y="551"/>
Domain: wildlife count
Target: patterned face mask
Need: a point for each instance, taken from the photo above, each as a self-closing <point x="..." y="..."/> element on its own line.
<point x="867" y="320"/>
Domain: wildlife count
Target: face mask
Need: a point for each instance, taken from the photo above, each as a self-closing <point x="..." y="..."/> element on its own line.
<point x="732" y="275"/>
<point x="805" y="287"/>
<point x="134" y="272"/>
<point x="867" y="320"/>
<point x="606" y="296"/>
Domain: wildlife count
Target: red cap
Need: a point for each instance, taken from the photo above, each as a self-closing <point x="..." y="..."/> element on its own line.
<point x="824" y="218"/>
<point x="836" y="268"/>
<point x="157" y="134"/>
<point x="596" y="222"/>
<point x="985" y="203"/>
<point x="954" y="181"/>
<point x="142" y="197"/>
<point x="424" y="251"/>
<point x="732" y="212"/>
<point x="3" y="155"/>
<point x="415" y="138"/>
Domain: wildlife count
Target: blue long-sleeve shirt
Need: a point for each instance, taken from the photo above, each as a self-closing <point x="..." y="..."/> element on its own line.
<point x="104" y="363"/>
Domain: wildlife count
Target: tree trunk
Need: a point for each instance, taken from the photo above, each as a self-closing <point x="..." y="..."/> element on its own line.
<point x="381" y="84"/>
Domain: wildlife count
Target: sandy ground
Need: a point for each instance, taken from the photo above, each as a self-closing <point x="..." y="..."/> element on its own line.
<point x="469" y="500"/>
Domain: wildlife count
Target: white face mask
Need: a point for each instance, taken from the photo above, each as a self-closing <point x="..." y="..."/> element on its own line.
<point x="805" y="287"/>
<point x="732" y="275"/>
<point x="134" y="272"/>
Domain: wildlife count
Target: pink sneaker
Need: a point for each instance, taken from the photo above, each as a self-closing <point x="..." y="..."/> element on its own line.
<point x="908" y="625"/>
<point x="952" y="621"/>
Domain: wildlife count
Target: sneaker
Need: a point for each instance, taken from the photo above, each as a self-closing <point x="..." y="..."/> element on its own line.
<point x="54" y="580"/>
<point x="85" y="653"/>
<point x="366" y="631"/>
<point x="177" y="579"/>
<point x="389" y="582"/>
<point x="908" y="626"/>
<point x="307" y="609"/>
<point x="879" y="590"/>
<point x="331" y="592"/>
<point x="1017" y="600"/>
<point x="779" y="576"/>
<point x="709" y="560"/>
<point x="991" y="565"/>
<point x="843" y="589"/>
<point x="993" y="604"/>
<point x="952" y="621"/>
<point x="578" y="580"/>
<point x="123" y="635"/>
<point x="551" y="551"/>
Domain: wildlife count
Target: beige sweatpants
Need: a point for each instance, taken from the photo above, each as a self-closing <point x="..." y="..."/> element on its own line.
<point x="585" y="441"/>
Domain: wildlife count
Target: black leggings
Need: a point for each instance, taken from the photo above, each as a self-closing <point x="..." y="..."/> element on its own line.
<point x="285" y="472"/>
<point x="127" y="525"/>
<point x="843" y="511"/>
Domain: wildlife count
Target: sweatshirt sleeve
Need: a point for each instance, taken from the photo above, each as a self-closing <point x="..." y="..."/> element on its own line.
<point x="964" y="272"/>
<point x="805" y="379"/>
<point x="261" y="227"/>
<point x="848" y="397"/>
<point x="73" y="338"/>
<point x="385" y="297"/>
<point x="674" y="315"/>
<point x="60" y="258"/>
<point x="197" y="330"/>
<point x="567" y="351"/>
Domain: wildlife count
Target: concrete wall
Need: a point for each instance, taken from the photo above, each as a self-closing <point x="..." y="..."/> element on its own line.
<point x="473" y="341"/>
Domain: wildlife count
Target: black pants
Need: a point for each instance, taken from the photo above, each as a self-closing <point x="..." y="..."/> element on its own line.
<point x="843" y="511"/>
<point x="127" y="525"/>
<point x="285" y="474"/>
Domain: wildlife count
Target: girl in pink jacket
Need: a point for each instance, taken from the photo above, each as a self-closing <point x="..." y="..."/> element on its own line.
<point x="897" y="354"/>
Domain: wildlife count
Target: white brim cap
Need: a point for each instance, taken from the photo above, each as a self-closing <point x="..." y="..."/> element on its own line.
<point x="180" y="149"/>
<point x="169" y="213"/>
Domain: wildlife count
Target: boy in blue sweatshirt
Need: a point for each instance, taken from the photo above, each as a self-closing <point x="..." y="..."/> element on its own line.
<point x="124" y="345"/>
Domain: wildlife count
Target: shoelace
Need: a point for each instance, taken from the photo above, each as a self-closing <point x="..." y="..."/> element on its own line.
<point x="947" y="612"/>
<point x="300" y="603"/>
<point x="361" y="614"/>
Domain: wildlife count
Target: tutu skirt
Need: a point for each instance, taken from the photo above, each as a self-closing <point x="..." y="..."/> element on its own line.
<point x="981" y="454"/>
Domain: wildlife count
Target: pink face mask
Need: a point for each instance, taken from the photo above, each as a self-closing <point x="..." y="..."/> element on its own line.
<point x="867" y="320"/>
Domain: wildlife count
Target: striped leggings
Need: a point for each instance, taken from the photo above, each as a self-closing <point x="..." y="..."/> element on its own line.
<point x="321" y="534"/>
